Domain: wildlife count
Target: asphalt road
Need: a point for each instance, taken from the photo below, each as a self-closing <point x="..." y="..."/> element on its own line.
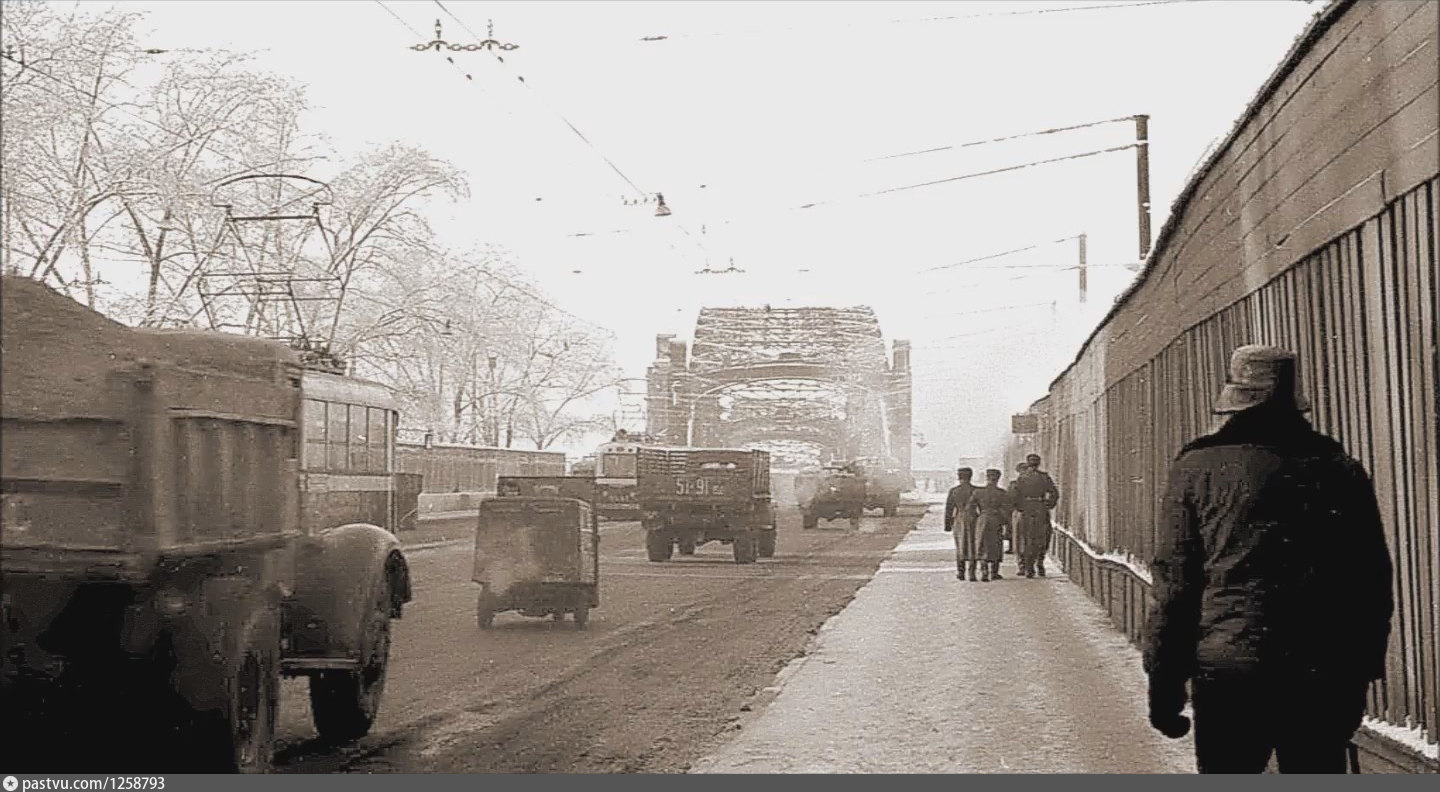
<point x="671" y="659"/>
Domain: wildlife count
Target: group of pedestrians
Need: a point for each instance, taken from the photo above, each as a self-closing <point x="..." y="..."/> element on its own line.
<point x="1271" y="598"/>
<point x="981" y="519"/>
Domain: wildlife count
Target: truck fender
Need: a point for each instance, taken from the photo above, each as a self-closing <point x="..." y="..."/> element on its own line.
<point x="336" y="575"/>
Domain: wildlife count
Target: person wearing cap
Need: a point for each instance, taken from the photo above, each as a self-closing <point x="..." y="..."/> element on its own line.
<point x="962" y="525"/>
<point x="1272" y="579"/>
<point x="1035" y="495"/>
<point x="990" y="508"/>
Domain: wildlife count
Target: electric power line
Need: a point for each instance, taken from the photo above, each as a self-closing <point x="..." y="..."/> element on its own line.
<point x="1036" y="133"/>
<point x="1001" y="254"/>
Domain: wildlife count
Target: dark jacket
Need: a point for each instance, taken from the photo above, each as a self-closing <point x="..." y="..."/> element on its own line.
<point x="1035" y="487"/>
<point x="955" y="503"/>
<point x="1270" y="558"/>
<point x="994" y="502"/>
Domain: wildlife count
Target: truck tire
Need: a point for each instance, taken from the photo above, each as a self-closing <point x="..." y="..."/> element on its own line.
<point x="687" y="546"/>
<point x="744" y="547"/>
<point x="582" y="614"/>
<point x="855" y="520"/>
<point x="658" y="546"/>
<point x="343" y="704"/>
<point x="240" y="738"/>
<point x="252" y="721"/>
<point x="809" y="521"/>
<point x="890" y="511"/>
<point x="484" y="611"/>
<point x="767" y="544"/>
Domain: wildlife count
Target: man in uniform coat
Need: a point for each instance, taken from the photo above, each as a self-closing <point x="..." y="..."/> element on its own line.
<point x="1035" y="495"/>
<point x="1271" y="584"/>
<point x="958" y="520"/>
<point x="1012" y="531"/>
<point x="990" y="508"/>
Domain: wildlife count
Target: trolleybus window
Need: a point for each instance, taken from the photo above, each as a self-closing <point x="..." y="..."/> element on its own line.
<point x="314" y="434"/>
<point x="619" y="465"/>
<point x="347" y="438"/>
<point x="359" y="454"/>
<point x="379" y="433"/>
<point x="338" y="434"/>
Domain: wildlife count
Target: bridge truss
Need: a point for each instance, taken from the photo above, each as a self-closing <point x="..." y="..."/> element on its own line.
<point x="808" y="384"/>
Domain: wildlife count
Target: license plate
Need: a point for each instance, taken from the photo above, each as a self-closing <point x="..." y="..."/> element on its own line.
<point x="699" y="486"/>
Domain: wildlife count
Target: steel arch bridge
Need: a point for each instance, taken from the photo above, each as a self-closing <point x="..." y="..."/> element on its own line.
<point x="808" y="384"/>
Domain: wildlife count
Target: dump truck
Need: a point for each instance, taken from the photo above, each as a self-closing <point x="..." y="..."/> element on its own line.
<point x="188" y="516"/>
<point x="690" y="496"/>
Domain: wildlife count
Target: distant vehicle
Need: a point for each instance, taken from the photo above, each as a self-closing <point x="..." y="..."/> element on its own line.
<point x="615" y="478"/>
<point x="690" y="496"/>
<point x="884" y="483"/>
<point x="537" y="549"/>
<point x="834" y="493"/>
<point x="188" y="516"/>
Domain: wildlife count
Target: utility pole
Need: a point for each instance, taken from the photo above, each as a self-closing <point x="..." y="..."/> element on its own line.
<point x="1142" y="181"/>
<point x="1084" y="284"/>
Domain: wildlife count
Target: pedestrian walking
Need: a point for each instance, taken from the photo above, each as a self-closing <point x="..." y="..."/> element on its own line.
<point x="1271" y="583"/>
<point x="962" y="525"/>
<point x="1035" y="495"/>
<point x="1012" y="528"/>
<point x="990" y="507"/>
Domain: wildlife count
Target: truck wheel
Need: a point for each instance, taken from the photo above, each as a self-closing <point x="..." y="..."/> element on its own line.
<point x="343" y="704"/>
<point x="890" y="511"/>
<point x="855" y="520"/>
<point x="687" y="547"/>
<point x="582" y="614"/>
<point x="767" y="544"/>
<point x="241" y="738"/>
<point x="809" y="521"/>
<point x="252" y="723"/>
<point x="484" y="611"/>
<point x="744" y="549"/>
<point x="658" y="546"/>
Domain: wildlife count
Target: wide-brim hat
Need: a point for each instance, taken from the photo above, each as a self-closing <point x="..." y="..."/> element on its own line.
<point x="1258" y="373"/>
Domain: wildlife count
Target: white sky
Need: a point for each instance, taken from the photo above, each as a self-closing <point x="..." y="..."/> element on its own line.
<point x="774" y="105"/>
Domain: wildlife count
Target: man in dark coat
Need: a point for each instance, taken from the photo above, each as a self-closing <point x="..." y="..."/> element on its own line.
<point x="958" y="520"/>
<point x="1035" y="495"/>
<point x="1012" y="530"/>
<point x="990" y="509"/>
<point x="1271" y="584"/>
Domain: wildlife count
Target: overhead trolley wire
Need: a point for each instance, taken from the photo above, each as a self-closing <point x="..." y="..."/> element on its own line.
<point x="1018" y="136"/>
<point x="568" y="123"/>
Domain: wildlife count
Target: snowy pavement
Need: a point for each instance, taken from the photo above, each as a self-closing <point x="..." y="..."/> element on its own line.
<point x="923" y="673"/>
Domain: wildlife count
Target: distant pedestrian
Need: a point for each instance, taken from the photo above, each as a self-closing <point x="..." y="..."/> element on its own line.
<point x="962" y="525"/>
<point x="1271" y="583"/>
<point x="990" y="507"/>
<point x="1035" y="495"/>
<point x="1012" y="528"/>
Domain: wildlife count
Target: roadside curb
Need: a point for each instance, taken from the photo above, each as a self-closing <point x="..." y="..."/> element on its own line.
<point x="432" y="545"/>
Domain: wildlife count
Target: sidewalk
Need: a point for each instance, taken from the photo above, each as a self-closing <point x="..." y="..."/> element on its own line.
<point x="923" y="673"/>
